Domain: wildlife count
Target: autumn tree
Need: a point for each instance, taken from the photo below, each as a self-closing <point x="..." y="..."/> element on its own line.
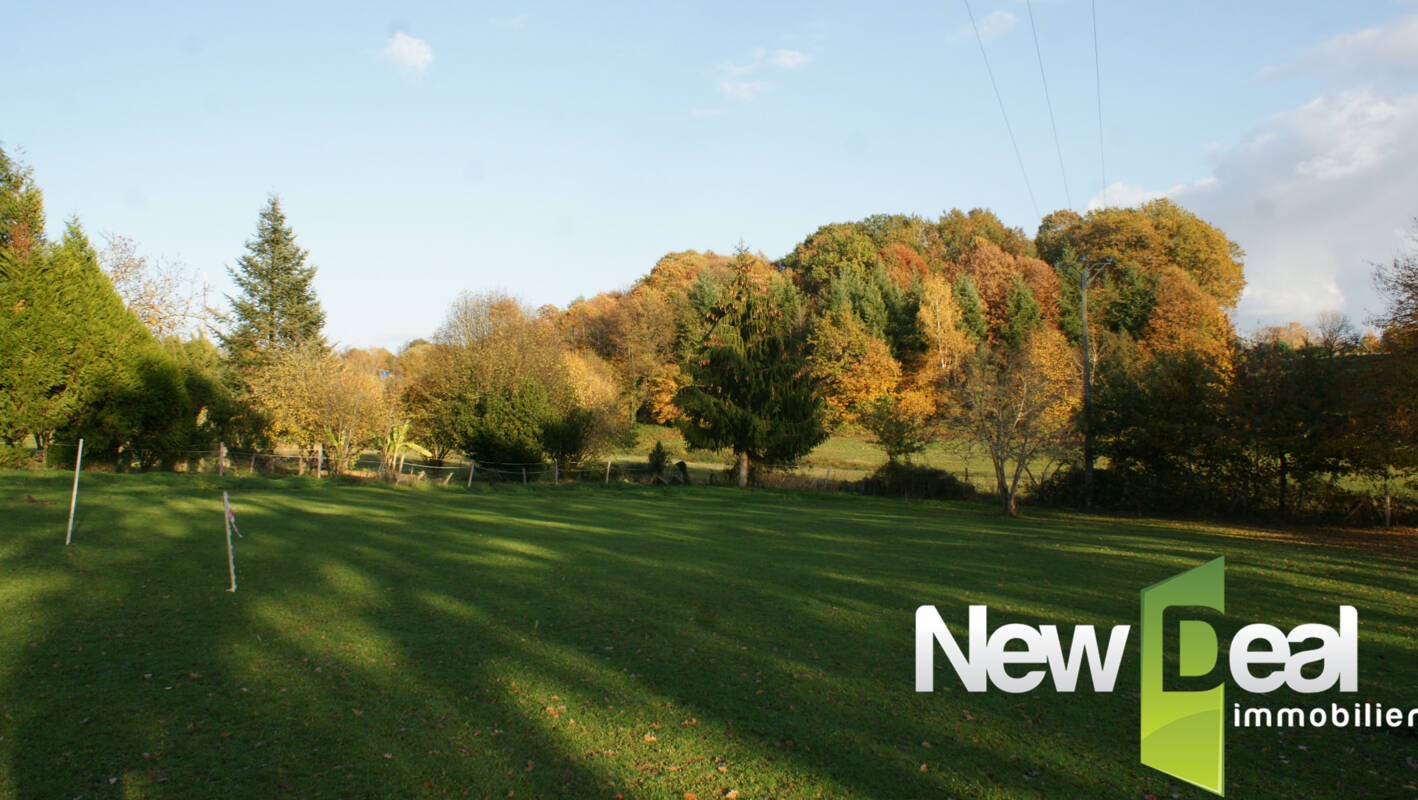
<point x="829" y="252"/>
<point x="854" y="368"/>
<point x="311" y="397"/>
<point x="427" y="381"/>
<point x="956" y="233"/>
<point x="903" y="423"/>
<point x="1017" y="398"/>
<point x="750" y="386"/>
<point x="163" y="294"/>
<point x="643" y="343"/>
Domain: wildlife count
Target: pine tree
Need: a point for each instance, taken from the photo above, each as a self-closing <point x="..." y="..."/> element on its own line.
<point x="751" y="390"/>
<point x="277" y="308"/>
<point x="972" y="309"/>
<point x="1022" y="314"/>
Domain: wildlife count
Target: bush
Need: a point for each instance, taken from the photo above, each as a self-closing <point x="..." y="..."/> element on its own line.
<point x="1142" y="492"/>
<point x="505" y="427"/>
<point x="13" y="457"/>
<point x="568" y="439"/>
<point x="907" y="480"/>
<point x="659" y="459"/>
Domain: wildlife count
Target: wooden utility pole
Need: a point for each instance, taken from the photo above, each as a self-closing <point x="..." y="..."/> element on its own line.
<point x="1085" y="277"/>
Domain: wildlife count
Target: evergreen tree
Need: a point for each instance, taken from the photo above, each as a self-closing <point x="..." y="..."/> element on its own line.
<point x="1022" y="314"/>
<point x="972" y="309"/>
<point x="21" y="211"/>
<point x="277" y="308"/>
<point x="65" y="334"/>
<point x="750" y="388"/>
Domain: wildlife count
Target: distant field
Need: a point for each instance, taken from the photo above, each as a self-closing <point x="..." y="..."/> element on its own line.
<point x="847" y="455"/>
<point x="593" y="642"/>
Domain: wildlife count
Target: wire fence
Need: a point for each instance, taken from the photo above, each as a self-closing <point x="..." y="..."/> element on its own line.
<point x="321" y="463"/>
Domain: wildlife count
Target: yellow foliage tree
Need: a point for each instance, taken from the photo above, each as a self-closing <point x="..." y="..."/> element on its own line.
<point x="1017" y="402"/>
<point x="853" y="367"/>
<point x="311" y="396"/>
<point x="1187" y="319"/>
<point x="939" y="323"/>
<point x="902" y="422"/>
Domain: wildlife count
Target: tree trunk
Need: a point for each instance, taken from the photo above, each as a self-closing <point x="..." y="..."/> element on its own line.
<point x="1006" y="494"/>
<point x="1283" y="476"/>
<point x="742" y="469"/>
<point x="1388" y="503"/>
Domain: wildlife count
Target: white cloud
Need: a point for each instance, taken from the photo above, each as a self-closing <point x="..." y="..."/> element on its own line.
<point x="1387" y="50"/>
<point x="743" y="90"/>
<point x="737" y="80"/>
<point x="514" y="22"/>
<point x="1315" y="196"/>
<point x="790" y="59"/>
<point x="412" y="54"/>
<point x="991" y="26"/>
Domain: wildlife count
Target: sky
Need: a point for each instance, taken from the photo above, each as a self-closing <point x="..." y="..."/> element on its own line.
<point x="557" y="150"/>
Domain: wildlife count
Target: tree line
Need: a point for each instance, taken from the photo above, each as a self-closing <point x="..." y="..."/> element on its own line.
<point x="1102" y="345"/>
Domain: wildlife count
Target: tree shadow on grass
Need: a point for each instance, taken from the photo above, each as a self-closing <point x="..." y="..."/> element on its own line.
<point x="585" y="643"/>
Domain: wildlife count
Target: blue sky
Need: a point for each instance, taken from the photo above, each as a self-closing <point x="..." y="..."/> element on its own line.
<point x="558" y="149"/>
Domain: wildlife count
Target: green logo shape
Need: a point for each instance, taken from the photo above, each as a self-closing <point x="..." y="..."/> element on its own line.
<point x="1183" y="732"/>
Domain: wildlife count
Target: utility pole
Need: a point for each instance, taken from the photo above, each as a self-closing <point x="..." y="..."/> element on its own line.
<point x="1087" y="271"/>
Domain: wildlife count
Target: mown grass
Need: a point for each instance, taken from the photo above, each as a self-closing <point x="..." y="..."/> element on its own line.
<point x="635" y="642"/>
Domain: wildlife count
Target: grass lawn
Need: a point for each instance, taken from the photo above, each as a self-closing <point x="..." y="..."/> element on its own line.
<point x="593" y="642"/>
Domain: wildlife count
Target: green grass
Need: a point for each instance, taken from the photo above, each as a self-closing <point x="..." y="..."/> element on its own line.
<point x="587" y="642"/>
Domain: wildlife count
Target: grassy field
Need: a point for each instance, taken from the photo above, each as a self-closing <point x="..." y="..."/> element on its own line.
<point x="592" y="642"/>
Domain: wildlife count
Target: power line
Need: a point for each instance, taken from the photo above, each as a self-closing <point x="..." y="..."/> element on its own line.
<point x="1098" y="87"/>
<point x="1014" y="142"/>
<point x="1068" y="196"/>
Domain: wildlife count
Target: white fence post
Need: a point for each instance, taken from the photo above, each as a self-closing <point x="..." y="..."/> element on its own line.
<point x="74" y="498"/>
<point x="472" y="470"/>
<point x="230" y="552"/>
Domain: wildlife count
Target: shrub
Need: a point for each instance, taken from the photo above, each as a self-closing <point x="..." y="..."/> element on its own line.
<point x="659" y="459"/>
<point x="13" y="457"/>
<point x="908" y="480"/>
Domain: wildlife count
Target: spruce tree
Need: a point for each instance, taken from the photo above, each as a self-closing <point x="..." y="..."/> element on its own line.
<point x="1022" y="314"/>
<point x="751" y="390"/>
<point x="277" y="308"/>
<point x="972" y="309"/>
